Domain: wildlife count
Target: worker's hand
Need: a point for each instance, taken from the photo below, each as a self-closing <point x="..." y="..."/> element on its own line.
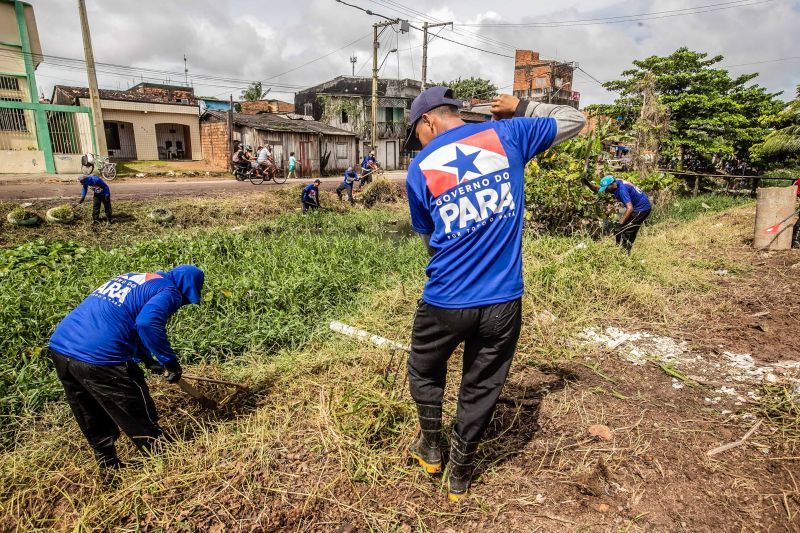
<point x="174" y="371"/>
<point x="584" y="179"/>
<point x="504" y="106"/>
<point x="153" y="366"/>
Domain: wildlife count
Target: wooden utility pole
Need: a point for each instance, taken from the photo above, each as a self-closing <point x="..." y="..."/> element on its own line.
<point x="94" y="92"/>
<point x="230" y="134"/>
<point x="425" y="27"/>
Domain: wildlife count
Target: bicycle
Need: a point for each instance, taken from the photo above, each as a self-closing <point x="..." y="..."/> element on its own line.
<point x="108" y="170"/>
<point x="269" y="173"/>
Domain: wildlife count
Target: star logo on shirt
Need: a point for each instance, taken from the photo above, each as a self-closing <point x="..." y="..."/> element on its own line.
<point x="464" y="163"/>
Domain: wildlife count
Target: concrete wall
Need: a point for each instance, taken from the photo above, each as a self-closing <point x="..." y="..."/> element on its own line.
<point x="68" y="164"/>
<point x="145" y="116"/>
<point x="21" y="161"/>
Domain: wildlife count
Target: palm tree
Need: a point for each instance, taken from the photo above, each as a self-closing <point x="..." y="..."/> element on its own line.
<point x="786" y="140"/>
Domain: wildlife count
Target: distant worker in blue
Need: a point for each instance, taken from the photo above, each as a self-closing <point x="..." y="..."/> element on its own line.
<point x="637" y="207"/>
<point x="368" y="165"/>
<point x="102" y="195"/>
<point x="96" y="346"/>
<point x="350" y="177"/>
<point x="310" y="197"/>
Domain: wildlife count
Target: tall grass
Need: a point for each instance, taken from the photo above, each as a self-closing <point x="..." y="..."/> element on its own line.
<point x="268" y="287"/>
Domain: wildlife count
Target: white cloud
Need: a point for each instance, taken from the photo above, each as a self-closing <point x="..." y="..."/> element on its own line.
<point x="258" y="39"/>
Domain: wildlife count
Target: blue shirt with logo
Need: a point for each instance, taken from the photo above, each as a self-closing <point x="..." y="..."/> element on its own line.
<point x="466" y="190"/>
<point x="349" y="178"/>
<point x="125" y="318"/>
<point x="99" y="187"/>
<point x="628" y="192"/>
<point x="367" y="160"/>
<point x="310" y="191"/>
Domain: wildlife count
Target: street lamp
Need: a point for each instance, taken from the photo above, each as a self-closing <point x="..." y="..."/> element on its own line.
<point x="387" y="57"/>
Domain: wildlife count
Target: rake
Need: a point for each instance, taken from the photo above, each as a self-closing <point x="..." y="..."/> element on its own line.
<point x="379" y="341"/>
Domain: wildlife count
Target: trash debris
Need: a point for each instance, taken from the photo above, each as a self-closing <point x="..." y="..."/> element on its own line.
<point x="601" y="432"/>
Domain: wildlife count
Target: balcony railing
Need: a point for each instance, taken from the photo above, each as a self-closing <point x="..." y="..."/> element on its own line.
<point x="389" y="130"/>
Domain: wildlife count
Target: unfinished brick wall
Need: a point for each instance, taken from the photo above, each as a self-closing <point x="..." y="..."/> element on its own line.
<point x="166" y="93"/>
<point x="266" y="106"/>
<point x="214" y="140"/>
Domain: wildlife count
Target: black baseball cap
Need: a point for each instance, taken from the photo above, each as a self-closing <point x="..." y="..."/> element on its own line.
<point x="430" y="98"/>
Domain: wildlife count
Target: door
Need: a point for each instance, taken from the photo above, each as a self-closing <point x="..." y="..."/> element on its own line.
<point x="391" y="155"/>
<point x="305" y="159"/>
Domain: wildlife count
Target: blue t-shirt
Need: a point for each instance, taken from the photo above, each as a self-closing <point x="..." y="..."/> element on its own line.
<point x="466" y="190"/>
<point x="366" y="161"/>
<point x="349" y="178"/>
<point x="628" y="192"/>
<point x="310" y="191"/>
<point x="125" y="318"/>
<point x="99" y="187"/>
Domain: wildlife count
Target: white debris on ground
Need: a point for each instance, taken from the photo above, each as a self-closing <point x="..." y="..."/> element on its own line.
<point x="735" y="376"/>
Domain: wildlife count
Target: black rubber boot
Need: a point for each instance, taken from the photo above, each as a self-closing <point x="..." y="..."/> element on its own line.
<point x="107" y="458"/>
<point x="462" y="458"/>
<point x="426" y="448"/>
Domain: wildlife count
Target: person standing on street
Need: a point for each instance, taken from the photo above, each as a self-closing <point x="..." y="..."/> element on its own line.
<point x="350" y="177"/>
<point x="466" y="197"/>
<point x="637" y="207"/>
<point x="292" y="166"/>
<point x="95" y="349"/>
<point x="102" y="196"/>
<point x="310" y="197"/>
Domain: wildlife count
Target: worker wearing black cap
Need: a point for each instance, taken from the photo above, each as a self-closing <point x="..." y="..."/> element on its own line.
<point x="466" y="196"/>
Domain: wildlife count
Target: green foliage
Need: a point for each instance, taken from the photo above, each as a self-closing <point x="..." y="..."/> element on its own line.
<point x="785" y="140"/>
<point x="333" y="106"/>
<point x="710" y="112"/>
<point x="22" y="217"/>
<point x="267" y="288"/>
<point x="254" y="92"/>
<point x="472" y="88"/>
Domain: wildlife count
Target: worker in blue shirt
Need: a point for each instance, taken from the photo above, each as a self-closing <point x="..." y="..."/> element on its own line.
<point x="368" y="165"/>
<point x="637" y="207"/>
<point x="350" y="177"/>
<point x="466" y="194"/>
<point x="102" y="195"/>
<point x="95" y="349"/>
<point x="310" y="196"/>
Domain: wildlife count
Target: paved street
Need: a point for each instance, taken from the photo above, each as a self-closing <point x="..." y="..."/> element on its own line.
<point x="130" y="188"/>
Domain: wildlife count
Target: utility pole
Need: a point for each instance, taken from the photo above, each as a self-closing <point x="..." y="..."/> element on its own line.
<point x="425" y="27"/>
<point x="375" y="46"/>
<point x="353" y="61"/>
<point x="94" y="92"/>
<point x="185" y="70"/>
<point x="230" y="134"/>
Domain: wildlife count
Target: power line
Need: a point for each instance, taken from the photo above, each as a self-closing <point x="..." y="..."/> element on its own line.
<point x="641" y="17"/>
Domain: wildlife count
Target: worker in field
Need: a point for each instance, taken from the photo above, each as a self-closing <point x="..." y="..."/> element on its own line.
<point x="637" y="207"/>
<point x="368" y="165"/>
<point x="102" y="196"/>
<point x="350" y="177"/>
<point x="310" y="196"/>
<point x="466" y="197"/>
<point x="96" y="346"/>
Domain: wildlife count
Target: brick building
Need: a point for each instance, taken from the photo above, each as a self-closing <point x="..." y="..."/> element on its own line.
<point x="544" y="80"/>
<point x="146" y="122"/>
<point x="265" y="106"/>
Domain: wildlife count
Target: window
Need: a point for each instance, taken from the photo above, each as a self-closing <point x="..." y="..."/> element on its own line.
<point x="12" y="119"/>
<point x="8" y="83"/>
<point x="344" y="116"/>
<point x="341" y="150"/>
<point x="308" y="109"/>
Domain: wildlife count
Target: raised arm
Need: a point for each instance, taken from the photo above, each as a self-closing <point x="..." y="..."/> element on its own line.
<point x="569" y="121"/>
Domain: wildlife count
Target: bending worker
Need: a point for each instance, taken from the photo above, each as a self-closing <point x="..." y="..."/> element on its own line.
<point x="102" y="195"/>
<point x="96" y="346"/>
<point x="310" y="197"/>
<point x="368" y="165"/>
<point x="466" y="197"/>
<point x="350" y="177"/>
<point x="637" y="207"/>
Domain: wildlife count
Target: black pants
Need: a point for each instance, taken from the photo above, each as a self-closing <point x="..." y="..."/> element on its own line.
<point x="490" y="336"/>
<point x="349" y="190"/>
<point x="105" y="399"/>
<point x="796" y="234"/>
<point x="309" y="205"/>
<point x="106" y="202"/>
<point x="627" y="233"/>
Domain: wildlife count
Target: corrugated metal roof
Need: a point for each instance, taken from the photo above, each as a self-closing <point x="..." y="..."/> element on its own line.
<point x="280" y="122"/>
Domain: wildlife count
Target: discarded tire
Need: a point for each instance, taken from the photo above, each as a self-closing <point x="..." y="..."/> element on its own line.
<point x="62" y="214"/>
<point x="22" y="217"/>
<point x="161" y="215"/>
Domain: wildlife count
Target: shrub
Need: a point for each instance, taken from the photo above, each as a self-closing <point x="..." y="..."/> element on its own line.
<point x="63" y="214"/>
<point x="381" y="190"/>
<point x="22" y="217"/>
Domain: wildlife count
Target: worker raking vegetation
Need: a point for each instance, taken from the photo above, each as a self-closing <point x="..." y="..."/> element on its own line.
<point x="95" y="349"/>
<point x="310" y="196"/>
<point x="102" y="196"/>
<point x="350" y="177"/>
<point x="466" y="196"/>
<point x="637" y="207"/>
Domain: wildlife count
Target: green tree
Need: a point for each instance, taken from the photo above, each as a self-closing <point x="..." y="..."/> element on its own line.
<point x="710" y="113"/>
<point x="254" y="92"/>
<point x="785" y="140"/>
<point x="472" y="88"/>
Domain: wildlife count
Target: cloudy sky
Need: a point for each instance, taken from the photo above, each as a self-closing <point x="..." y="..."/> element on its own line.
<point x="294" y="44"/>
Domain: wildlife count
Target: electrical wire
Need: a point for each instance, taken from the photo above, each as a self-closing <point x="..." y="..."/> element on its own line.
<point x="641" y="17"/>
